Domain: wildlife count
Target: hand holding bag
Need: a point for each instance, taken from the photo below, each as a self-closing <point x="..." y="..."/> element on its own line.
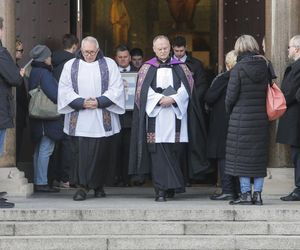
<point x="40" y="106"/>
<point x="275" y="103"/>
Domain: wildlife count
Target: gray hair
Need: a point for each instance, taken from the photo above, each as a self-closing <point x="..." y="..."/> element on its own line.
<point x="296" y="41"/>
<point x="160" y="37"/>
<point x="230" y="59"/>
<point x="1" y="22"/>
<point x="90" y="39"/>
<point x="246" y="43"/>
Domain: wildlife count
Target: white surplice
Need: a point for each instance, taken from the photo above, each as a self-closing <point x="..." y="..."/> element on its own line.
<point x="90" y="121"/>
<point x="165" y="122"/>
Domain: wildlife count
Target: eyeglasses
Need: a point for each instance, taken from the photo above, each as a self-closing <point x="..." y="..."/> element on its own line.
<point x="20" y="50"/>
<point x="89" y="53"/>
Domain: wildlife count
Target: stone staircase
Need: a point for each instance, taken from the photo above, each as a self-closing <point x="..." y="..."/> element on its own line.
<point x="202" y="227"/>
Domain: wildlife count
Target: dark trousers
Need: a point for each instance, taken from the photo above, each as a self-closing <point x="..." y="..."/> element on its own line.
<point x="230" y="184"/>
<point x="123" y="158"/>
<point x="295" y="151"/>
<point x="60" y="161"/>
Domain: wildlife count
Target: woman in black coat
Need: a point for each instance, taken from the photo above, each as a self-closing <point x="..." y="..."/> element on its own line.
<point x="248" y="130"/>
<point x="44" y="132"/>
<point x="217" y="131"/>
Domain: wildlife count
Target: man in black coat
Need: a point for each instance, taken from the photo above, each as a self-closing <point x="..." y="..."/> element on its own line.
<point x="289" y="124"/>
<point x="196" y="153"/>
<point x="60" y="162"/>
<point x="10" y="76"/>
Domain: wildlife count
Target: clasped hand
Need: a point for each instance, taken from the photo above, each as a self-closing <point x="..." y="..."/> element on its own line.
<point x="90" y="103"/>
<point x="166" y="101"/>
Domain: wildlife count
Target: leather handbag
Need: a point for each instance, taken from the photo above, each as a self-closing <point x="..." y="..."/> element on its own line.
<point x="40" y="106"/>
<point x="275" y="103"/>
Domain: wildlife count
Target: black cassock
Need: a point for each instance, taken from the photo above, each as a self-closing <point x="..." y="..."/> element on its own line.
<point x="93" y="160"/>
<point x="160" y="159"/>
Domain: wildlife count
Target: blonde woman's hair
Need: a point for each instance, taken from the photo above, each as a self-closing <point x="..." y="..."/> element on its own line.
<point x="18" y="43"/>
<point x="230" y="59"/>
<point x="246" y="43"/>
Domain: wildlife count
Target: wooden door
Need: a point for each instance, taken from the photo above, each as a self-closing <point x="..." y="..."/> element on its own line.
<point x="240" y="17"/>
<point x="42" y="22"/>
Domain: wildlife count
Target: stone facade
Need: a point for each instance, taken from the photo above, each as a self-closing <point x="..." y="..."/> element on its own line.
<point x="11" y="179"/>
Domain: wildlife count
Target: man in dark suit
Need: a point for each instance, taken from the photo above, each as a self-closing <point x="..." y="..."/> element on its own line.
<point x="289" y="124"/>
<point x="123" y="60"/>
<point x="196" y="153"/>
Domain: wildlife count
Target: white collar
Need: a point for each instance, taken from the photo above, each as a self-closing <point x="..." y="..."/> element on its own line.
<point x="182" y="59"/>
<point x="121" y="69"/>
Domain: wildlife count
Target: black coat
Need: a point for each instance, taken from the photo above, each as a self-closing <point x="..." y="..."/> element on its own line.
<point x="197" y="126"/>
<point x="59" y="58"/>
<point x="218" y="118"/>
<point x="39" y="127"/>
<point x="9" y="77"/>
<point x="248" y="129"/>
<point x="289" y="124"/>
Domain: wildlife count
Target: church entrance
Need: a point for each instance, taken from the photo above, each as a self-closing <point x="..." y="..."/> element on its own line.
<point x="135" y="23"/>
<point x="209" y="26"/>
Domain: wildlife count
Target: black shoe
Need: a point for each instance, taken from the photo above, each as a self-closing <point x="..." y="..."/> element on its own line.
<point x="256" y="199"/>
<point x="170" y="193"/>
<point x="222" y="197"/>
<point x="5" y="204"/>
<point x="80" y="195"/>
<point x="161" y="196"/>
<point x="45" y="189"/>
<point x="99" y="193"/>
<point x="138" y="183"/>
<point x="3" y="194"/>
<point x="291" y="197"/>
<point x="244" y="199"/>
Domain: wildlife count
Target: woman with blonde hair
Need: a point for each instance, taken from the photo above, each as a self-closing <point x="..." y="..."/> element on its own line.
<point x="248" y="129"/>
<point x="217" y="131"/>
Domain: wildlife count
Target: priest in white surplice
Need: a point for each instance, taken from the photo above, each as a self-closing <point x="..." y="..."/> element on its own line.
<point x="160" y="118"/>
<point x="91" y="95"/>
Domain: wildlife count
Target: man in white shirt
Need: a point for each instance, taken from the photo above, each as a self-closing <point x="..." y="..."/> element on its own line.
<point x="160" y="117"/>
<point x="91" y="95"/>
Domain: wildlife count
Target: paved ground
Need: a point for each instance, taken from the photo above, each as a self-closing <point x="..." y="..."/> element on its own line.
<point x="137" y="197"/>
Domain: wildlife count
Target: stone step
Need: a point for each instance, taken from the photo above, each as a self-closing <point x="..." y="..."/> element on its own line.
<point x="137" y="242"/>
<point x="148" y="228"/>
<point x="11" y="173"/>
<point x="209" y="213"/>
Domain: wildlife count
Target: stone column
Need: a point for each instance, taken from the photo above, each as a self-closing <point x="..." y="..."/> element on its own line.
<point x="282" y="22"/>
<point x="11" y="179"/>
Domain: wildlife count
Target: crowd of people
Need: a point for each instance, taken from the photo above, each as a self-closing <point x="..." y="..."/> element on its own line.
<point x="179" y="123"/>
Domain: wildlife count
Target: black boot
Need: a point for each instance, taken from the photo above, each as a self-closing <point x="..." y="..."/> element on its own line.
<point x="99" y="192"/>
<point x="160" y="196"/>
<point x="170" y="193"/>
<point x="244" y="199"/>
<point x="257" y="198"/>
